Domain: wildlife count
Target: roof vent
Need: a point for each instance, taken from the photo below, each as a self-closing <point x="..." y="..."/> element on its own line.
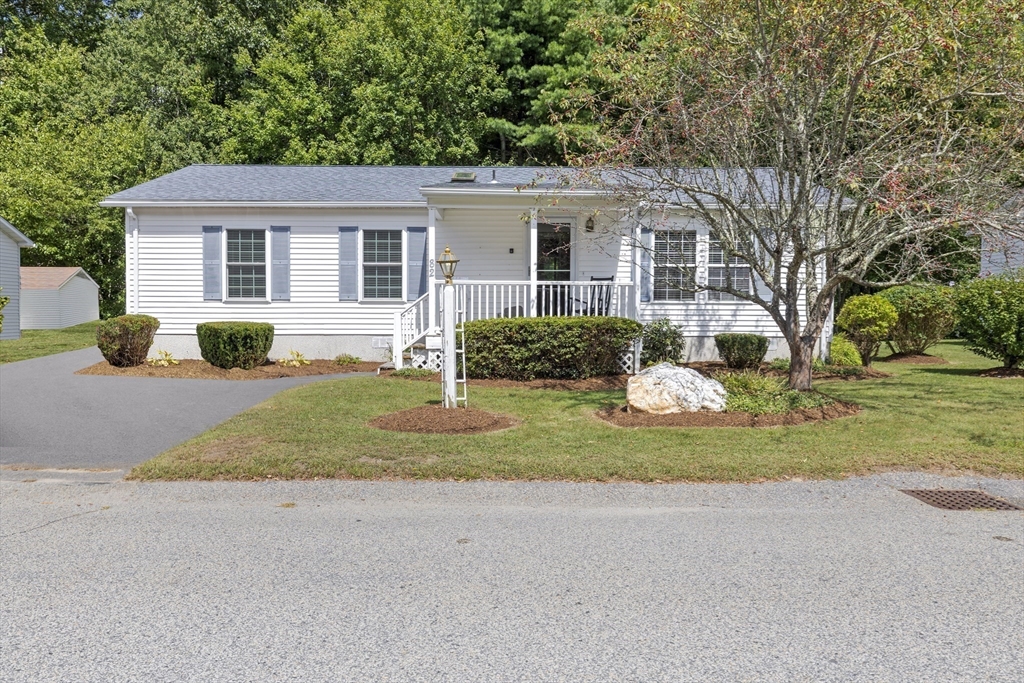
<point x="494" y="177"/>
<point x="464" y="177"/>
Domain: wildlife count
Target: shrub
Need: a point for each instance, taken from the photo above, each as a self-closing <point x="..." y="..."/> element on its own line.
<point x="867" y="320"/>
<point x="235" y="344"/>
<point x="926" y="316"/>
<point x="4" y="300"/>
<point x="124" y="341"/>
<point x="741" y="350"/>
<point x="164" y="359"/>
<point x="413" y="373"/>
<point x="662" y="341"/>
<point x="549" y="347"/>
<point x="752" y="392"/>
<point x="347" y="359"/>
<point x="842" y="352"/>
<point x="991" y="317"/>
<point x="294" y="360"/>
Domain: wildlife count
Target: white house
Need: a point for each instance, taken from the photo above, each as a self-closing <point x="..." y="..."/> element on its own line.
<point x="341" y="259"/>
<point x="11" y="244"/>
<point x="52" y="298"/>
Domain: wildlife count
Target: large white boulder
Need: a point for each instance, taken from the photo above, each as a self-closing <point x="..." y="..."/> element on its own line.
<point x="664" y="388"/>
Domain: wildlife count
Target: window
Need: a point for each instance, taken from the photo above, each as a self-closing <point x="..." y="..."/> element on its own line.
<point x="675" y="264"/>
<point x="726" y="270"/>
<point x="247" y="264"/>
<point x="382" y="264"/>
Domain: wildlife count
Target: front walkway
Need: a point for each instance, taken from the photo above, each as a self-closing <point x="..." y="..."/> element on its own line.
<point x="53" y="418"/>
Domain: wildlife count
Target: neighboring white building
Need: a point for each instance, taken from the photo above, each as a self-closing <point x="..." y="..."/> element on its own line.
<point x="11" y="244"/>
<point x="1005" y="252"/>
<point x="52" y="298"/>
<point x="341" y="258"/>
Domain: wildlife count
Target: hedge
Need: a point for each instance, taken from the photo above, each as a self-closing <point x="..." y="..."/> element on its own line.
<point x="741" y="350"/>
<point x="991" y="317"/>
<point x="926" y="315"/>
<point x="548" y="347"/>
<point x="867" y="319"/>
<point x="235" y="344"/>
<point x="125" y="341"/>
<point x="842" y="352"/>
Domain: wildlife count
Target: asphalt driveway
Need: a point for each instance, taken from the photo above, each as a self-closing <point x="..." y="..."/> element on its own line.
<point x="51" y="417"/>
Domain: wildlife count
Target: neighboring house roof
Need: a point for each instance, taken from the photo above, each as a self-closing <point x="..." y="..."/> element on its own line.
<point x="50" y="278"/>
<point x="225" y="185"/>
<point x="15" y="234"/>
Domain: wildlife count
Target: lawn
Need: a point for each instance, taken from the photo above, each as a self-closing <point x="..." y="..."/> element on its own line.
<point x="935" y="417"/>
<point x="36" y="343"/>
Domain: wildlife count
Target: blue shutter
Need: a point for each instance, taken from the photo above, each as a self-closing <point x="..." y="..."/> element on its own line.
<point x="417" y="265"/>
<point x="348" y="264"/>
<point x="280" y="263"/>
<point x="646" y="272"/>
<point x="211" y="263"/>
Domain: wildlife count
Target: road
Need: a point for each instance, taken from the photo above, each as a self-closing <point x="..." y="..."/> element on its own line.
<point x="105" y="580"/>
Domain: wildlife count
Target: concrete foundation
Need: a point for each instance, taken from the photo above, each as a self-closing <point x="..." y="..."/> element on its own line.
<point x="311" y="346"/>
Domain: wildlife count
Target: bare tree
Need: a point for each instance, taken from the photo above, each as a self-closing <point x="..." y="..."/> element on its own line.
<point x="821" y="142"/>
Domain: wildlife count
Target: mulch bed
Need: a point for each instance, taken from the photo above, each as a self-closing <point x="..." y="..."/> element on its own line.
<point x="590" y="384"/>
<point x="1002" y="373"/>
<point x="200" y="369"/>
<point x="617" y="415"/>
<point x="436" y="419"/>
<point x="914" y="359"/>
<point x="709" y="368"/>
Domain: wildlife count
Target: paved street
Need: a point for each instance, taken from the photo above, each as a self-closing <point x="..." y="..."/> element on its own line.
<point x="102" y="580"/>
<point x="51" y="417"/>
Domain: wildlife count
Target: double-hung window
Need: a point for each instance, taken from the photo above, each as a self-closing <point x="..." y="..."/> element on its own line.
<point x="675" y="265"/>
<point x="726" y="270"/>
<point x="247" y="264"/>
<point x="382" y="264"/>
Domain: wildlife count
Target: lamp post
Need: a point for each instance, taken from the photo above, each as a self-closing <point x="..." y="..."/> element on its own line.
<point x="447" y="262"/>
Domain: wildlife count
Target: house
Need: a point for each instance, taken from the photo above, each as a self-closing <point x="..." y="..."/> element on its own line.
<point x="341" y="259"/>
<point x="1003" y="253"/>
<point x="53" y="298"/>
<point x="11" y="244"/>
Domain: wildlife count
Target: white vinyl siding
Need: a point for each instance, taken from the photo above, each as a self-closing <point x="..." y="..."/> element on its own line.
<point x="170" y="285"/>
<point x="79" y="301"/>
<point x="10" y="281"/>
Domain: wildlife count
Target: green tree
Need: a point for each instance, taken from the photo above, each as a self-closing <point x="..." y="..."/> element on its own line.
<point x="543" y="50"/>
<point x="381" y="82"/>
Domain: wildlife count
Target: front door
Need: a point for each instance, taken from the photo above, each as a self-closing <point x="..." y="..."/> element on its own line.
<point x="554" y="264"/>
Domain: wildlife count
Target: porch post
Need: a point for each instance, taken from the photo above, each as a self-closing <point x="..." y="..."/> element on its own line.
<point x="635" y="269"/>
<point x="533" y="263"/>
<point x="432" y="254"/>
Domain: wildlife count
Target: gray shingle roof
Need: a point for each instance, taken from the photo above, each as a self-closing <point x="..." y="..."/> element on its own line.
<point x="327" y="184"/>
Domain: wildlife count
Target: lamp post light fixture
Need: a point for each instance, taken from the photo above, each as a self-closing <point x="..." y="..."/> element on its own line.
<point x="447" y="262"/>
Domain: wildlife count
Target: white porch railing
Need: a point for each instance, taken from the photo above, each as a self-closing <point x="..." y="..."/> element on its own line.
<point x="480" y="300"/>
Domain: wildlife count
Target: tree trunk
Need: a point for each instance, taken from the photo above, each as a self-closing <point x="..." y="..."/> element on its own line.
<point x="801" y="358"/>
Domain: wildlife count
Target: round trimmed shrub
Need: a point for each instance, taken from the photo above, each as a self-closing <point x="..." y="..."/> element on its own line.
<point x="235" y="344"/>
<point x="867" y="320"/>
<point x="991" y="317"/>
<point x="926" y="315"/>
<point x="741" y="350"/>
<point x="125" y="341"/>
<point x="549" y="347"/>
<point x="842" y="351"/>
<point x="662" y="341"/>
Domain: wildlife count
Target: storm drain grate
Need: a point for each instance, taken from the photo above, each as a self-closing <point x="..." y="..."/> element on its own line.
<point x="952" y="499"/>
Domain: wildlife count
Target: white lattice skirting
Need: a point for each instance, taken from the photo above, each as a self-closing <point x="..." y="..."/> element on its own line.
<point x="430" y="359"/>
<point x="426" y="359"/>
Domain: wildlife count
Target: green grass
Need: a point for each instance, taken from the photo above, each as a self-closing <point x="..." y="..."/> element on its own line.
<point x="36" y="343"/>
<point x="751" y="392"/>
<point x="937" y="417"/>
